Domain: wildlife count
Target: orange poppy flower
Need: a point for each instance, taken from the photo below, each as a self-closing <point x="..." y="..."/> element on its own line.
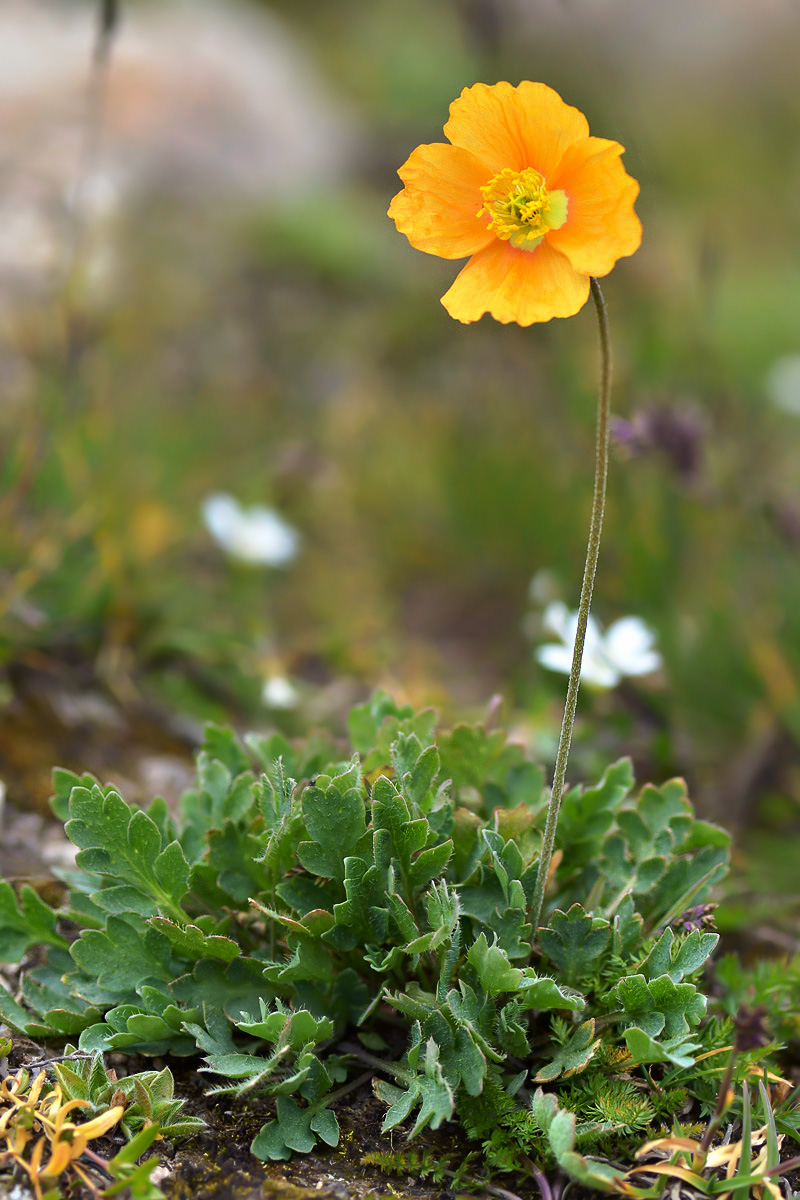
<point x="538" y="204"/>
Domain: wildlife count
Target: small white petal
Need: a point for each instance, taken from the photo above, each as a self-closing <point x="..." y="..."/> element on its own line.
<point x="626" y="649"/>
<point x="279" y="692"/>
<point x="595" y="667"/>
<point x="629" y="645"/>
<point x="554" y="657"/>
<point x="598" y="671"/>
<point x="593" y="639"/>
<point x="558" y="620"/>
<point x="264" y="537"/>
<point x="783" y="384"/>
<point x="255" y="535"/>
<point x="221" y="514"/>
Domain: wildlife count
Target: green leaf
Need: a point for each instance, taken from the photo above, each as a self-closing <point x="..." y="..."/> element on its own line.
<point x="362" y="917"/>
<point x="235" y="853"/>
<point x="129" y="1028"/>
<point x="587" y="814"/>
<point x="679" y="1050"/>
<point x="397" y="835"/>
<point x="364" y="721"/>
<point x="681" y="958"/>
<point x="660" y="1005"/>
<point x="29" y="922"/>
<point x="276" y="794"/>
<point x="123" y="898"/>
<point x="343" y="776"/>
<point x="687" y="881"/>
<point x="126" y="845"/>
<point x="121" y="957"/>
<point x="429" y="864"/>
<point x="472" y="757"/>
<point x="443" y="907"/>
<point x="573" y="1056"/>
<point x="336" y="822"/>
<point x="326" y="1126"/>
<point x="46" y="992"/>
<point x="511" y="1032"/>
<point x="543" y="994"/>
<point x="294" y="1029"/>
<point x="232" y="989"/>
<point x="493" y="968"/>
<point x="190" y="943"/>
<point x="559" y="1126"/>
<point x="63" y="783"/>
<point x="627" y="930"/>
<point x="281" y="809"/>
<point x="425" y="1085"/>
<point x="405" y="750"/>
<point x="291" y="1131"/>
<point x="171" y="872"/>
<point x="311" y="960"/>
<point x="574" y="941"/>
<point x="473" y="1021"/>
<point x="704" y="833"/>
<point x="418" y="781"/>
<point x="136" y="1147"/>
<point x="14" y="1014"/>
<point x="220" y="744"/>
<point x="215" y="784"/>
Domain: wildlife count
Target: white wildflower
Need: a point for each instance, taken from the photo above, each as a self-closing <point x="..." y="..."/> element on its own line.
<point x="783" y="384"/>
<point x="279" y="692"/>
<point x="626" y="648"/>
<point x="254" y="535"/>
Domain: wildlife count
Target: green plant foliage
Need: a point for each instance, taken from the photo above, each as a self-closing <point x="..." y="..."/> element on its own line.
<point x="24" y="923"/>
<point x="131" y="1177"/>
<point x="299" y="897"/>
<point x="148" y="1096"/>
<point x="576" y="1048"/>
<point x="40" y="1110"/>
<point x="771" y="984"/>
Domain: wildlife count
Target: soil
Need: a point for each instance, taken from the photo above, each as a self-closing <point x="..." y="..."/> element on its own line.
<point x="59" y="713"/>
<point x="217" y="1164"/>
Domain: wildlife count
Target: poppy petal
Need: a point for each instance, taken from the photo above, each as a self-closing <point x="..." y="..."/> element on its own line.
<point x="438" y="208"/>
<point x="516" y="285"/>
<point x="517" y="127"/>
<point x="601" y="225"/>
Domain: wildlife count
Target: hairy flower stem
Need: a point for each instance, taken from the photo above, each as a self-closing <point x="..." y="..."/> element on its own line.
<point x="584" y="606"/>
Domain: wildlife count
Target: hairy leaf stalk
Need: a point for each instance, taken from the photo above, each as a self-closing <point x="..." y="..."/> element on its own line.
<point x="584" y="606"/>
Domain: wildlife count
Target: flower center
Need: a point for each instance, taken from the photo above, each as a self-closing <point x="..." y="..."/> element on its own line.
<point x="520" y="208"/>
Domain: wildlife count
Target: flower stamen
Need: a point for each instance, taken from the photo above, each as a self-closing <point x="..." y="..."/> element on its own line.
<point x="520" y="208"/>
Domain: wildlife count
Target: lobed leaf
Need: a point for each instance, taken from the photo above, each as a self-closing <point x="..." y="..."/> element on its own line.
<point x="679" y="958"/>
<point x="126" y="845"/>
<point x="575" y="941"/>
<point x="336" y="823"/>
<point x="190" y="943"/>
<point x="680" y="1050"/>
<point x="573" y="1056"/>
<point x="25" y="922"/>
<point x="659" y="1005"/>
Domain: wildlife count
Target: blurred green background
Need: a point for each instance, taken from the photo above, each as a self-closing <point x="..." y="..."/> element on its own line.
<point x="211" y="299"/>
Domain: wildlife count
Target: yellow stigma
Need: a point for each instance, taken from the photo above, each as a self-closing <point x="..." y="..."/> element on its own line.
<point x="520" y="208"/>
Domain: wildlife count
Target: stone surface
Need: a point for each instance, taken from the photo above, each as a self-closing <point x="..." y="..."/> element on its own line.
<point x="200" y="98"/>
